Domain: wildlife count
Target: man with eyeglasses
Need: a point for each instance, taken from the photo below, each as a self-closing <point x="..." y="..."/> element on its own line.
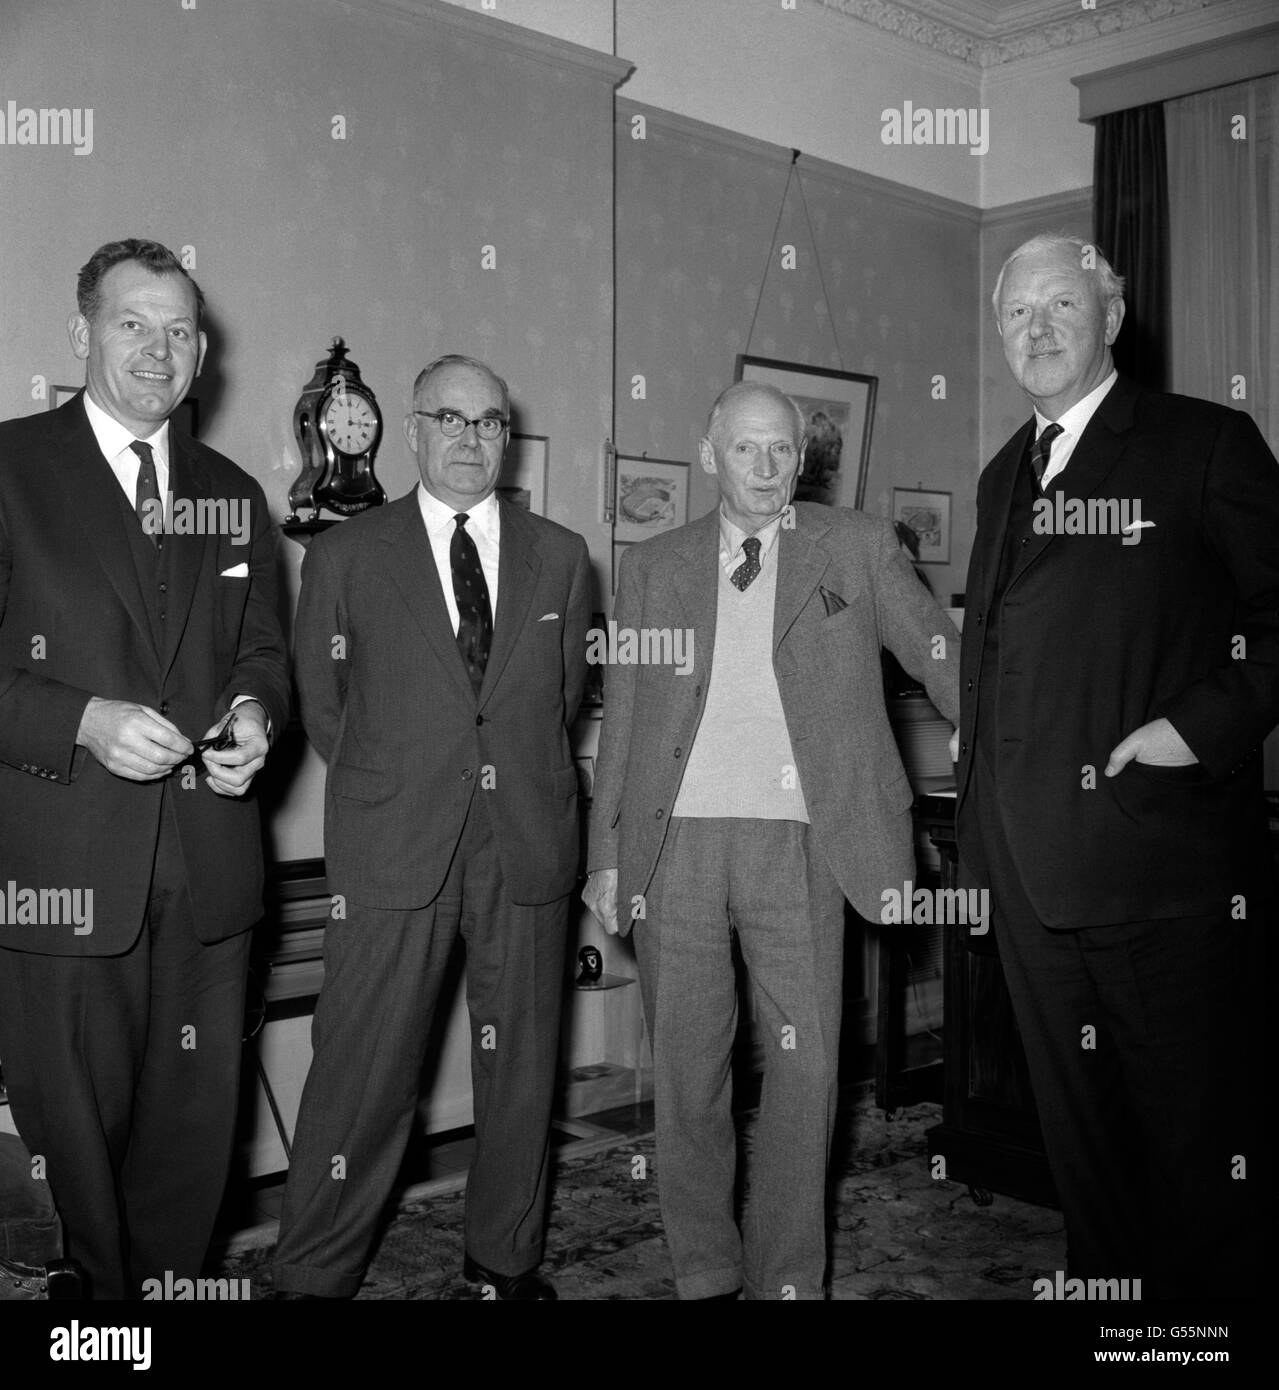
<point x="440" y="648"/>
<point x="748" y="797"/>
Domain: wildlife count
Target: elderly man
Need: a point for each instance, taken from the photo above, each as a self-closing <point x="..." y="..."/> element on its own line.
<point x="129" y="630"/>
<point x="441" y="660"/>
<point x="751" y="795"/>
<point x="1121" y="664"/>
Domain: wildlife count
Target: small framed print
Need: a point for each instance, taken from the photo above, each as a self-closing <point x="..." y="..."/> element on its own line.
<point x="522" y="480"/>
<point x="928" y="516"/>
<point x="839" y="410"/>
<point x="652" y="497"/>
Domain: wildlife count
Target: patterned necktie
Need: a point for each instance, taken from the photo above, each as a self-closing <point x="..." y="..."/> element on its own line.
<point x="146" y="499"/>
<point x="749" y="568"/>
<point x="1040" y="451"/>
<point x="474" y="616"/>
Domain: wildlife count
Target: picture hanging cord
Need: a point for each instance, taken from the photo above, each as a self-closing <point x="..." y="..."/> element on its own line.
<point x="817" y="259"/>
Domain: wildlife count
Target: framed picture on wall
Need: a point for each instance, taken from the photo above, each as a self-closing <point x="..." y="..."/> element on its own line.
<point x="839" y="408"/>
<point x="928" y="516"/>
<point x="652" y="497"/>
<point x="523" y="476"/>
<point x="185" y="417"/>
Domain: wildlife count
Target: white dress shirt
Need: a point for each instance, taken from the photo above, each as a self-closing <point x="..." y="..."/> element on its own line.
<point x="115" y="442"/>
<point x="484" y="526"/>
<point x="1073" y="422"/>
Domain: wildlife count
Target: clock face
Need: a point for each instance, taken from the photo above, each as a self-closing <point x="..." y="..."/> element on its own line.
<point x="350" y="422"/>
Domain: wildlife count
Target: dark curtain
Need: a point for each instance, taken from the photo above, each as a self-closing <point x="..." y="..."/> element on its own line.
<point x="1130" y="225"/>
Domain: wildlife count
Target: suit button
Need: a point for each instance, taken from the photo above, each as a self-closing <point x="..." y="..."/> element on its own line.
<point x="479" y="719"/>
<point x="963" y="748"/>
<point x="660" y="814"/>
<point x="164" y="706"/>
<point x="678" y="751"/>
<point x="980" y="618"/>
<point x="697" y="693"/>
<point x="969" y="686"/>
<point x="164" y="588"/>
<point x="466" y="776"/>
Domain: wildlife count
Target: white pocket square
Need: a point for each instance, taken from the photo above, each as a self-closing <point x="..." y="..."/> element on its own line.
<point x="546" y="617"/>
<point x="1136" y="526"/>
<point x="240" y="571"/>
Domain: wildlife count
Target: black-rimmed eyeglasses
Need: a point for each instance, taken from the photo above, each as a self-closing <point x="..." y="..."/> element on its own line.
<point x="452" y="424"/>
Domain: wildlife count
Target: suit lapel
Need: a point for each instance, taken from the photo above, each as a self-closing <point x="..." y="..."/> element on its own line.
<point x="188" y="484"/>
<point x="695" y="580"/>
<point x="801" y="561"/>
<point x="411" y="566"/>
<point x="518" y="569"/>
<point x="90" y="491"/>
<point x="1003" y="478"/>
<point x="1095" y="456"/>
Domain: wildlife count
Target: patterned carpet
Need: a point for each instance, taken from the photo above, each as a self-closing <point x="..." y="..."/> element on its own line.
<point x="898" y="1233"/>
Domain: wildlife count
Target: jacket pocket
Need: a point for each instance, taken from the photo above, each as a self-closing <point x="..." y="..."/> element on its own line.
<point x="359" y="784"/>
<point x="897" y="793"/>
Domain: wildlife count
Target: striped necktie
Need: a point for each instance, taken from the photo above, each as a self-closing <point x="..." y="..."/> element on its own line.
<point x="1041" y="451"/>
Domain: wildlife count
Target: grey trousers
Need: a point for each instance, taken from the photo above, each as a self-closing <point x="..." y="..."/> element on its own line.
<point x="763" y="880"/>
<point x="382" y="976"/>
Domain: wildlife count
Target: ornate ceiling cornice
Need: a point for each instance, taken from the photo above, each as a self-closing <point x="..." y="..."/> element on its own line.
<point x="987" y="36"/>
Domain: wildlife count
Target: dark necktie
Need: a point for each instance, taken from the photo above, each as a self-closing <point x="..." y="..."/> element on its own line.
<point x="474" y="616"/>
<point x="749" y="568"/>
<point x="1040" y="451"/>
<point x="146" y="498"/>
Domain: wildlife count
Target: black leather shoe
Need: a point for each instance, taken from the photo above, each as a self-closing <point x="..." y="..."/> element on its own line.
<point x="718" y="1297"/>
<point x="528" y="1287"/>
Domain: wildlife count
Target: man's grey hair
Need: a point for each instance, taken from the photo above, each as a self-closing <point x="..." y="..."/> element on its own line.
<point x="1109" y="285"/>
<point x="457" y="359"/>
<point x="741" y="389"/>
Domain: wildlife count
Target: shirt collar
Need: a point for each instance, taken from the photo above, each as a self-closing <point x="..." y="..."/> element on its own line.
<point x="113" y="438"/>
<point x="731" y="537"/>
<point x="438" y="516"/>
<point x="1075" y="420"/>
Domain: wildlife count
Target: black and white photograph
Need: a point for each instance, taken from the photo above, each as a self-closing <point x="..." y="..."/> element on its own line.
<point x="639" y="663"/>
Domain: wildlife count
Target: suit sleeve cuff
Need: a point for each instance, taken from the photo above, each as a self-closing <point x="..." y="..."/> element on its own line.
<point x="253" y="699"/>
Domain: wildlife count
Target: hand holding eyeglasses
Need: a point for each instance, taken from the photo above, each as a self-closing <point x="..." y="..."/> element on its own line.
<point x="235" y="749"/>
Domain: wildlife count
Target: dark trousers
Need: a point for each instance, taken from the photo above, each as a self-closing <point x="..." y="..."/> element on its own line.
<point x="382" y="976"/>
<point x="1137" y="1037"/>
<point x="763" y="880"/>
<point x="123" y="1073"/>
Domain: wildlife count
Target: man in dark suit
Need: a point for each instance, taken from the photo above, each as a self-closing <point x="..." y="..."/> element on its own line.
<point x="750" y="790"/>
<point x="441" y="660"/>
<point x="1121" y="669"/>
<point x="137" y="613"/>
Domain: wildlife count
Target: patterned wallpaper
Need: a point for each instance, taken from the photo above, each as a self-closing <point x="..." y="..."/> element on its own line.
<point x="213" y="129"/>
<point x="695" y="215"/>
